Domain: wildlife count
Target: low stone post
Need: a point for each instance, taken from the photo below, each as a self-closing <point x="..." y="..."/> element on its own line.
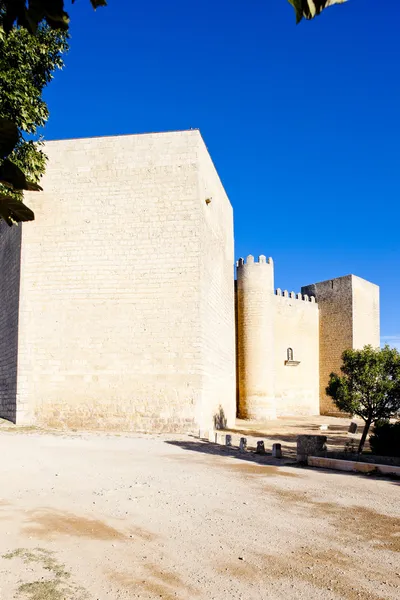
<point x="277" y="450"/>
<point x="310" y="445"/>
<point x="260" y="447"/>
<point x="228" y="440"/>
<point x="243" y="444"/>
<point x="353" y="427"/>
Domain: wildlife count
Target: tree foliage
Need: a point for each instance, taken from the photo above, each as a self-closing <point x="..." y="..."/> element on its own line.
<point x="385" y="440"/>
<point x="29" y="13"/>
<point x="308" y="9"/>
<point x="369" y="386"/>
<point x="27" y="63"/>
<point x="33" y="38"/>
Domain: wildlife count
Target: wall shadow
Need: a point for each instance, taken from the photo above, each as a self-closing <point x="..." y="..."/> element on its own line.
<point x="10" y="271"/>
<point x="204" y="447"/>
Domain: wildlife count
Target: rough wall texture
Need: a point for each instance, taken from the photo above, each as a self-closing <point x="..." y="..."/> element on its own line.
<point x="255" y="338"/>
<point x="349" y="318"/>
<point x="296" y="327"/>
<point x="218" y="405"/>
<point x="10" y="252"/>
<point x="114" y="273"/>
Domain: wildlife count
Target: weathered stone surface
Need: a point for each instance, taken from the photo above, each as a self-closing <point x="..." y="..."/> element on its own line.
<point x="307" y="445"/>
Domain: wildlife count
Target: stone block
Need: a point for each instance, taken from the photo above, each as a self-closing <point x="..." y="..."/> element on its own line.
<point x="277" y="450"/>
<point x="309" y="445"/>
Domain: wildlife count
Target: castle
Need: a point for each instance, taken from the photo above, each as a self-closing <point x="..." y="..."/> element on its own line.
<point x="120" y="309"/>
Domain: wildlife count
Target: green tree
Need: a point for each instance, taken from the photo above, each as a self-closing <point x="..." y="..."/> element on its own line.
<point x="27" y="63"/>
<point x="308" y="9"/>
<point x="33" y="37"/>
<point x="369" y="386"/>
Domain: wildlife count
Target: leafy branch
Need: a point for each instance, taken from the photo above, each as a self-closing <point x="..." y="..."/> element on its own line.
<point x="33" y="38"/>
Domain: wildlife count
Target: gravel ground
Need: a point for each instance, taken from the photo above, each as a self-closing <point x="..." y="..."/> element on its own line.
<point x="91" y="516"/>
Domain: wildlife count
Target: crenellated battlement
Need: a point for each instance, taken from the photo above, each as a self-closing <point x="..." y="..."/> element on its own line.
<point x="294" y="296"/>
<point x="249" y="260"/>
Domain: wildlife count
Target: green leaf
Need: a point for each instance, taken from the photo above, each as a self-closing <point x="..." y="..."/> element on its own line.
<point x="14" y="211"/>
<point x="9" y="136"/>
<point x="12" y="176"/>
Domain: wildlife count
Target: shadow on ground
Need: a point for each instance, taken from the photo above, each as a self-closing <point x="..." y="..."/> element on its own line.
<point x="251" y="463"/>
<point x="205" y="447"/>
<point x="289" y="439"/>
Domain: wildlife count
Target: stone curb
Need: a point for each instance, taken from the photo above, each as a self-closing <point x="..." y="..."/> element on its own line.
<point x="352" y="466"/>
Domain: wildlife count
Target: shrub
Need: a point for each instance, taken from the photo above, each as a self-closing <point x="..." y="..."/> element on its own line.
<point x="385" y="440"/>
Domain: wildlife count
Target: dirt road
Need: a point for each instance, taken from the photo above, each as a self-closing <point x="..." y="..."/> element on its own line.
<point x="98" y="517"/>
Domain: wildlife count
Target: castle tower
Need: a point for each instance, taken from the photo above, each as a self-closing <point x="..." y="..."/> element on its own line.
<point x="255" y="338"/>
<point x="348" y="318"/>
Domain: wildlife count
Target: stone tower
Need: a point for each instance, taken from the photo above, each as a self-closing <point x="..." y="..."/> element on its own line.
<point x="255" y="338"/>
<point x="348" y="318"/>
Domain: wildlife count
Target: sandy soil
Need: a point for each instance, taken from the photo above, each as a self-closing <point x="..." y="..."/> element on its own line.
<point x="91" y="516"/>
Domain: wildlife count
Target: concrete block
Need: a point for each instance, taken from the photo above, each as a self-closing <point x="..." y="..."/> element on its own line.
<point x="352" y="466"/>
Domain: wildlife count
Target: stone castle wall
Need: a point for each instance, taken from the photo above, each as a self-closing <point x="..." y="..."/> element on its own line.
<point x="268" y="325"/>
<point x="114" y="328"/>
<point x="296" y="327"/>
<point x="118" y="302"/>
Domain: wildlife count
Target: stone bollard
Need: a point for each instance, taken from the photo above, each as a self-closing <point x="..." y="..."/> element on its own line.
<point x="353" y="427"/>
<point x="228" y="440"/>
<point x="310" y="445"/>
<point x="242" y="445"/>
<point x="260" y="447"/>
<point x="277" y="450"/>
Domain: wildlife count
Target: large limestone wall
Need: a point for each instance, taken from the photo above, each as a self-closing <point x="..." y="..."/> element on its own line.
<point x="111" y="320"/>
<point x="10" y="253"/>
<point x="296" y="327"/>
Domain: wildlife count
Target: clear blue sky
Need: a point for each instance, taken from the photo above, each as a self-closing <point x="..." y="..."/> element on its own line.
<point x="303" y="123"/>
